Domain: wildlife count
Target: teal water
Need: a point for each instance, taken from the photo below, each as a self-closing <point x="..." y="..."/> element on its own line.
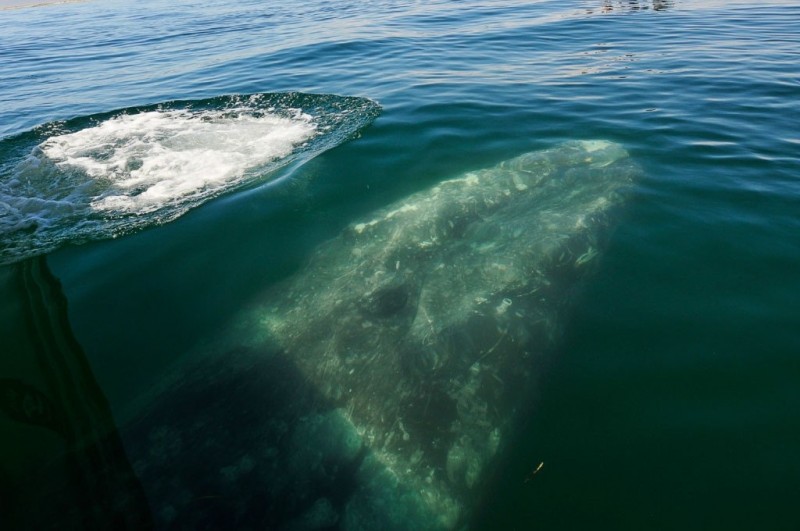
<point x="672" y="401"/>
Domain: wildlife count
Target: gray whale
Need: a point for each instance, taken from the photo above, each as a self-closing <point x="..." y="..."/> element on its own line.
<point x="423" y="327"/>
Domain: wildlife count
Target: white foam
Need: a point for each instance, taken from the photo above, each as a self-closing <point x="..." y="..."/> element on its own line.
<point x="143" y="162"/>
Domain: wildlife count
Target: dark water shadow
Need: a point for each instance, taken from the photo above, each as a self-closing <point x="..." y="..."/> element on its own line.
<point x="62" y="463"/>
<point x="242" y="440"/>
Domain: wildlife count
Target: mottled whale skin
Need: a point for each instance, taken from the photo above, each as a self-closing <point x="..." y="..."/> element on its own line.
<point x="426" y="322"/>
<point x="377" y="386"/>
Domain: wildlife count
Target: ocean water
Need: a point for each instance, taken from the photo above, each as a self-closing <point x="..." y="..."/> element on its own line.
<point x="672" y="399"/>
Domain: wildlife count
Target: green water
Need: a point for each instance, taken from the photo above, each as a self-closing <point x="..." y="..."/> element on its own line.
<point x="671" y="402"/>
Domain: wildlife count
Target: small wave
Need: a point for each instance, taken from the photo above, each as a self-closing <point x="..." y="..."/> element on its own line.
<point x="105" y="175"/>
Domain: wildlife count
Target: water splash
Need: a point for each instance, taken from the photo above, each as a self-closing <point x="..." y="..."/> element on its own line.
<point x="106" y="175"/>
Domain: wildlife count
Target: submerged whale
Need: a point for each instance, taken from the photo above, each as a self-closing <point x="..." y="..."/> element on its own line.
<point x="422" y="328"/>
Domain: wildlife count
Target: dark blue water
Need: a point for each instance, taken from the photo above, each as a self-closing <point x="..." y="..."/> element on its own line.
<point x="673" y="400"/>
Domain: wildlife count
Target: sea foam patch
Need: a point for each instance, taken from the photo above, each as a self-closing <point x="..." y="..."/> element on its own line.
<point x="105" y="175"/>
<point x="151" y="159"/>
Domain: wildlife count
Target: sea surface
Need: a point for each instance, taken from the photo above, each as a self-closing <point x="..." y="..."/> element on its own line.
<point x="673" y="401"/>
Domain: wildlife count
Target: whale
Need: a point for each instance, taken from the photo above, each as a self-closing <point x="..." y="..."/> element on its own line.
<point x="420" y="333"/>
